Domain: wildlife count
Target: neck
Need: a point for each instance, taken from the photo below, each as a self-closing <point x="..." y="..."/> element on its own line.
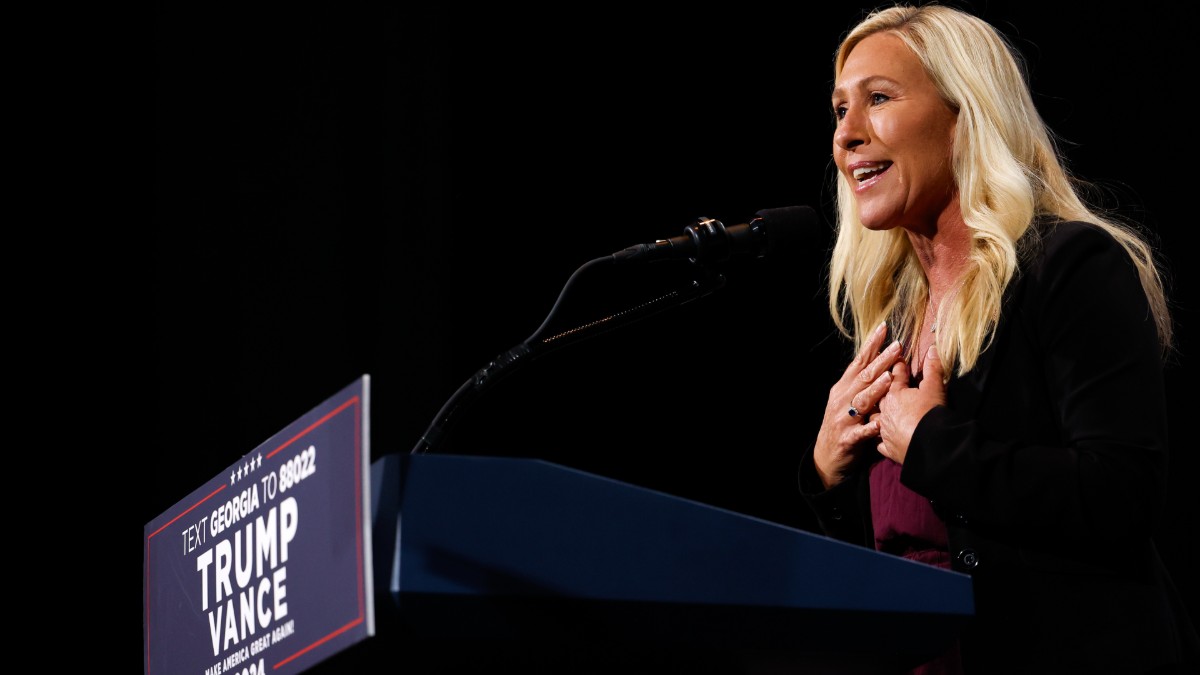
<point x="943" y="253"/>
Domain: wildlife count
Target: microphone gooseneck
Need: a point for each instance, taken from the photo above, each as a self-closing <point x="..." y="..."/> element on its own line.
<point x="706" y="243"/>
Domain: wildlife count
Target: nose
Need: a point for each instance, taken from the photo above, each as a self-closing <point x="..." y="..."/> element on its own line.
<point x="851" y="130"/>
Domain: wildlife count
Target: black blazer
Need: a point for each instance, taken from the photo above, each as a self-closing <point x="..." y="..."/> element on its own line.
<point x="1048" y="465"/>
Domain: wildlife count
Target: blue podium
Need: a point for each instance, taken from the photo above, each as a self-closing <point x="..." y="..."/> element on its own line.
<point x="482" y="562"/>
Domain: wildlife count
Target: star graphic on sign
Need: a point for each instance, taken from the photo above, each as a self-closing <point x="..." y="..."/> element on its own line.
<point x="231" y="475"/>
<point x="239" y="473"/>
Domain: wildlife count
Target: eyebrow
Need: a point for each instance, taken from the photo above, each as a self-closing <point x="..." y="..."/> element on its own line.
<point x="865" y="83"/>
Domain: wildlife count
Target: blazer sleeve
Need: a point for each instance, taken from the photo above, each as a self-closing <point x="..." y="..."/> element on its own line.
<point x="843" y="511"/>
<point x="1080" y="332"/>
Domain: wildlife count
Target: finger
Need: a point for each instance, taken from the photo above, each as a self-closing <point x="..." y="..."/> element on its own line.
<point x="870" y="348"/>
<point x="866" y="431"/>
<point x="900" y="374"/>
<point x="932" y="370"/>
<point x="868" y="398"/>
<point x="875" y="342"/>
<point x="881" y="363"/>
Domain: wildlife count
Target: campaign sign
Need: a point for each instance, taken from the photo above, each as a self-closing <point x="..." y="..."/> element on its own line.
<point x="267" y="567"/>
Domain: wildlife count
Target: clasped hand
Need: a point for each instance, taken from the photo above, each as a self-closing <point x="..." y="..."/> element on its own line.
<point x="873" y="407"/>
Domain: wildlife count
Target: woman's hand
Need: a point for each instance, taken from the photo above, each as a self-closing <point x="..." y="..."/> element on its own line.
<point x="904" y="406"/>
<point x="852" y="400"/>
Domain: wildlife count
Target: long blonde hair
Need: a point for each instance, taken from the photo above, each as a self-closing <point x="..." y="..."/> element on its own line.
<point x="1008" y="172"/>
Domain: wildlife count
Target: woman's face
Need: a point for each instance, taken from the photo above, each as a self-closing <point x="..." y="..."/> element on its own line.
<point x="894" y="137"/>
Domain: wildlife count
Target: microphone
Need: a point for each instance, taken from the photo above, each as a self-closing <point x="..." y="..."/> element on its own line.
<point x="707" y="241"/>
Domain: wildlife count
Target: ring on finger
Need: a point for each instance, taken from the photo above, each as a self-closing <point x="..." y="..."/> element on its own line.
<point x="853" y="411"/>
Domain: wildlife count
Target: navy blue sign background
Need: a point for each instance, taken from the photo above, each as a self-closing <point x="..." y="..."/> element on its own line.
<point x="292" y="517"/>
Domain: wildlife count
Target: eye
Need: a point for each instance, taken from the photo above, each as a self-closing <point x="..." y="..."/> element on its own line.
<point x="874" y="98"/>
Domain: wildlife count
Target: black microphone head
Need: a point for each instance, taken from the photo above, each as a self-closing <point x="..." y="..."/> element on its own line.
<point x="788" y="229"/>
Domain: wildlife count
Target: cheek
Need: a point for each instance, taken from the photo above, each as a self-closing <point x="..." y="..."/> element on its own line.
<point x="937" y="134"/>
<point x="935" y="151"/>
<point x="942" y="154"/>
<point x="895" y="131"/>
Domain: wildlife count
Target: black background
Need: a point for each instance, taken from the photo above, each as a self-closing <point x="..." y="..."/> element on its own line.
<point x="403" y="193"/>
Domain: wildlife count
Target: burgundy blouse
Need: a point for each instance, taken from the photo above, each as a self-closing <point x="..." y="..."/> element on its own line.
<point x="906" y="525"/>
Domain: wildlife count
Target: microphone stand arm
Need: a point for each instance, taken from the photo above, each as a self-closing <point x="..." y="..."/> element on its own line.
<point x="541" y="342"/>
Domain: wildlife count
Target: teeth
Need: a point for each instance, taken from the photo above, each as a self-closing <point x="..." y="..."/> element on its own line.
<point x="862" y="172"/>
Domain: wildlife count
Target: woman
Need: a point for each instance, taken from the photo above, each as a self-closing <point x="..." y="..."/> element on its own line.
<point x="1004" y="414"/>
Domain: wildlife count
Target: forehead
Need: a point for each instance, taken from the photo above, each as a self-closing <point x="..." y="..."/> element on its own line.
<point x="881" y="57"/>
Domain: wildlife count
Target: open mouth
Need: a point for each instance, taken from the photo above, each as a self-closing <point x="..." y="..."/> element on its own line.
<point x="863" y="174"/>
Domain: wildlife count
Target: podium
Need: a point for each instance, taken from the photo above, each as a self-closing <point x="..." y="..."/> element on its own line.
<point x="490" y="562"/>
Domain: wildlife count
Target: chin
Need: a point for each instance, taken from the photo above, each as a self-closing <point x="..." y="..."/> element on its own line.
<point x="876" y="224"/>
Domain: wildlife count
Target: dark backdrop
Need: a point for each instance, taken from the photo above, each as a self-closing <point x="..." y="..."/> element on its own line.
<point x="403" y="193"/>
